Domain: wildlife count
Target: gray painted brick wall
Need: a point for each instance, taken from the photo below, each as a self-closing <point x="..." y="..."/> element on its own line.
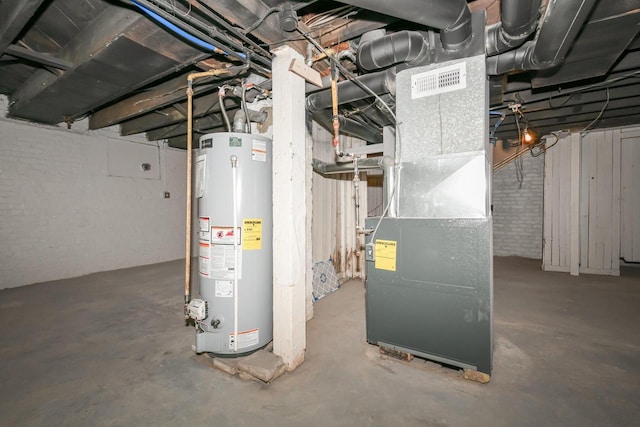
<point x="518" y="212"/>
<point x="64" y="212"/>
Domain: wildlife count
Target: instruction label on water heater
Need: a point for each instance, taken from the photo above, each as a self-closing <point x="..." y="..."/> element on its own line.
<point x="224" y="288"/>
<point x="385" y="255"/>
<point x="222" y="259"/>
<point x="204" y="260"/>
<point x="251" y="234"/>
<point x="246" y="338"/>
<point x="204" y="232"/>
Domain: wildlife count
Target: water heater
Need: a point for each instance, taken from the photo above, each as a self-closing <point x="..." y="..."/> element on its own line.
<point x="233" y="185"/>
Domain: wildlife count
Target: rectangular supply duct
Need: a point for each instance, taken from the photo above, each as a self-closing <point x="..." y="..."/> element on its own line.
<point x="444" y="155"/>
<point x="430" y="270"/>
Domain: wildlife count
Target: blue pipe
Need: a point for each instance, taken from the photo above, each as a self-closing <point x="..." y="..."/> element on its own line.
<point x="171" y="26"/>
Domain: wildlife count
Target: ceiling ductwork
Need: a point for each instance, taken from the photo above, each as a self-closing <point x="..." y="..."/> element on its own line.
<point x="349" y="126"/>
<point x="451" y="17"/>
<point x="519" y="21"/>
<point x="348" y="91"/>
<point x="561" y="24"/>
<point x="404" y="46"/>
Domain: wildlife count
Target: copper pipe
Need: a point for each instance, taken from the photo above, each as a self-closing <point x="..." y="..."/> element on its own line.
<point x="187" y="265"/>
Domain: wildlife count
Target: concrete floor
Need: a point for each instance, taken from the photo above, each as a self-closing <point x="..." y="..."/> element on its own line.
<point x="111" y="349"/>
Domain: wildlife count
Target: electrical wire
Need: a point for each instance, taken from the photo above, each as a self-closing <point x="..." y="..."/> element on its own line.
<point x="243" y="102"/>
<point x="171" y="26"/>
<point x="604" y="107"/>
<point x="384" y="212"/>
<point x="571" y="92"/>
<point x="193" y="30"/>
<point x="518" y="163"/>
<point x="259" y="22"/>
<point x="348" y="74"/>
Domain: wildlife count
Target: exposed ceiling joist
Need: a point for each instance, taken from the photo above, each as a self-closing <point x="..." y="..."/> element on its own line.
<point x="202" y="124"/>
<point x="207" y="104"/>
<point x="34" y="99"/>
<point x="164" y="94"/>
<point x="14" y="15"/>
<point x="37" y="57"/>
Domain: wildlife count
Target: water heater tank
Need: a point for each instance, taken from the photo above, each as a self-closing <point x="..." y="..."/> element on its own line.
<point x="250" y="311"/>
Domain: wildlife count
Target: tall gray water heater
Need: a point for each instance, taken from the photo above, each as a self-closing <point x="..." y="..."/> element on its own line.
<point x="233" y="187"/>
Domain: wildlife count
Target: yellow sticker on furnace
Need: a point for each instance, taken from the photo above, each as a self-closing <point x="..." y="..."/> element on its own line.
<point x="251" y="234"/>
<point x="385" y="255"/>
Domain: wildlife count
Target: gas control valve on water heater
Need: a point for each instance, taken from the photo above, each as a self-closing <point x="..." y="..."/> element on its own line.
<point x="233" y="185"/>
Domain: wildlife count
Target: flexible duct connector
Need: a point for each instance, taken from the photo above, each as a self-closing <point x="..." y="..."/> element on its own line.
<point x="350" y="127"/>
<point x="240" y="119"/>
<point x="404" y="46"/>
<point x="451" y="17"/>
<point x="519" y="21"/>
<point x="562" y="23"/>
<point x="380" y="83"/>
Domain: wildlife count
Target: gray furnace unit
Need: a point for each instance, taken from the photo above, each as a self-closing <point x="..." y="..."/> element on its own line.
<point x="429" y="285"/>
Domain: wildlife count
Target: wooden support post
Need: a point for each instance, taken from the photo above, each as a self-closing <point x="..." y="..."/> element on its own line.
<point x="291" y="256"/>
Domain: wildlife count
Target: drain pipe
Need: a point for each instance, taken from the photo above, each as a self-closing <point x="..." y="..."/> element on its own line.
<point x="187" y="267"/>
<point x="561" y="24"/>
<point x="519" y="21"/>
<point x="451" y="17"/>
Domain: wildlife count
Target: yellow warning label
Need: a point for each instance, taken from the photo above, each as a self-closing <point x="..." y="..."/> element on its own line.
<point x="385" y="255"/>
<point x="251" y="234"/>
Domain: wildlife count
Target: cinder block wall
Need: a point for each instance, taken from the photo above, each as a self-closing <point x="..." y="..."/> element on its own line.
<point x="518" y="211"/>
<point x="77" y="202"/>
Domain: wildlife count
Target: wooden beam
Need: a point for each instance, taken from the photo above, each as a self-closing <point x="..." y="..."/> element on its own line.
<point x="115" y="33"/>
<point x="202" y="125"/>
<point x="14" y="15"/>
<point x="164" y="94"/>
<point x="38" y="57"/>
<point x="204" y="105"/>
<point x="181" y="141"/>
<point x="107" y="27"/>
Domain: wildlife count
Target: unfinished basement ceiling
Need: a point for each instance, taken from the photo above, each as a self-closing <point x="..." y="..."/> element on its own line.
<point x="64" y="60"/>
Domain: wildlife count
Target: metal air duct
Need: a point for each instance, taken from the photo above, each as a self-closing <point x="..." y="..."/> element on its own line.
<point x="349" y="127"/>
<point x="519" y="21"/>
<point x="380" y="83"/>
<point x="404" y="46"/>
<point x="562" y="23"/>
<point x="451" y="17"/>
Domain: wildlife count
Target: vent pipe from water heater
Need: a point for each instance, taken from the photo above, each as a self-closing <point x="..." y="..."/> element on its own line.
<point x="233" y="185"/>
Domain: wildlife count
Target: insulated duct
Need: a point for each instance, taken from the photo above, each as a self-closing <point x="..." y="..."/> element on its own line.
<point x="404" y="46"/>
<point x="519" y="21"/>
<point x="451" y="17"/>
<point x="240" y="119"/>
<point x="562" y="23"/>
<point x="380" y="83"/>
<point x="349" y="127"/>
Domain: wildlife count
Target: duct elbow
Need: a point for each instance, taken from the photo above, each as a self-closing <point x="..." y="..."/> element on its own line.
<point x="458" y="34"/>
<point x="404" y="46"/>
<point x="519" y="21"/>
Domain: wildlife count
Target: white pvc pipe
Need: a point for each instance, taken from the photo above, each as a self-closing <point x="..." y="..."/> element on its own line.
<point x="234" y="169"/>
